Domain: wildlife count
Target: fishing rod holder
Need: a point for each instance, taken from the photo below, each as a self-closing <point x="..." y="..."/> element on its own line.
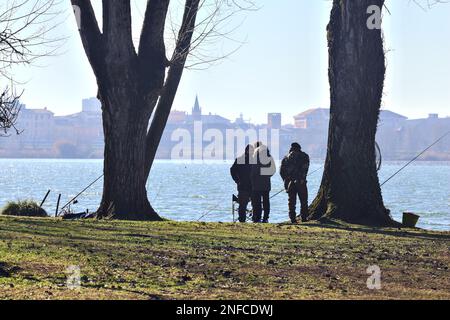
<point x="235" y="209"/>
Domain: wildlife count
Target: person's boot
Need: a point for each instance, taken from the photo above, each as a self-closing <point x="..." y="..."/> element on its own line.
<point x="293" y="218"/>
<point x="304" y="215"/>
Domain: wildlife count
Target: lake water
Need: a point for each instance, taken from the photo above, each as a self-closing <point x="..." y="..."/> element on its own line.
<point x="188" y="190"/>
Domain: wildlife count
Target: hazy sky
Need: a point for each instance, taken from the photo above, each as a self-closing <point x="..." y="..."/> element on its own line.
<point x="282" y="67"/>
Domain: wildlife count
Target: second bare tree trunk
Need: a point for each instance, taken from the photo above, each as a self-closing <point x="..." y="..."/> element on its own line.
<point x="350" y="188"/>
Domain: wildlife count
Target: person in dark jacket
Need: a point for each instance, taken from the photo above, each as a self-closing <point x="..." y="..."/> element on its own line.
<point x="294" y="170"/>
<point x="240" y="172"/>
<point x="261" y="173"/>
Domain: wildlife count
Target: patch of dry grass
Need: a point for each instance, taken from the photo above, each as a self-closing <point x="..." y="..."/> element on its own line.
<point x="171" y="260"/>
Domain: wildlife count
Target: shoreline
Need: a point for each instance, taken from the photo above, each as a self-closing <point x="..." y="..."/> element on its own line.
<point x="166" y="160"/>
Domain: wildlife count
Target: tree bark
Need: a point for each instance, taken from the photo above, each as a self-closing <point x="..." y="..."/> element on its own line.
<point x="124" y="190"/>
<point x="131" y="86"/>
<point x="350" y="189"/>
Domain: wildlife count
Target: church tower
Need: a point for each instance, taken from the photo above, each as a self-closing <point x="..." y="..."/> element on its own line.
<point x="197" y="111"/>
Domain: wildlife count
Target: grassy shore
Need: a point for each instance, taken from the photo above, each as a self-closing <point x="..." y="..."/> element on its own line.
<point x="171" y="260"/>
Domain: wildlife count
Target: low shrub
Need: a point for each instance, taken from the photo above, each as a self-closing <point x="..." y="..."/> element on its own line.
<point x="26" y="208"/>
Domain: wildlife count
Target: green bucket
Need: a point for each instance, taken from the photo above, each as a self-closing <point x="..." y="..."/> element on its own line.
<point x="410" y="219"/>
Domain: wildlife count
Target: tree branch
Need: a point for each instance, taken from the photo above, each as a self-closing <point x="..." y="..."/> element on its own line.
<point x="152" y="51"/>
<point x="117" y="29"/>
<point x="151" y="43"/>
<point x="90" y="34"/>
<point x="9" y="111"/>
<point x="24" y="31"/>
<point x="172" y="81"/>
<point x="212" y="28"/>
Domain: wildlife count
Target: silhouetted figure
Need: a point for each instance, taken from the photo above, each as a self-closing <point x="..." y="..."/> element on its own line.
<point x="294" y="170"/>
<point x="262" y="171"/>
<point x="240" y="172"/>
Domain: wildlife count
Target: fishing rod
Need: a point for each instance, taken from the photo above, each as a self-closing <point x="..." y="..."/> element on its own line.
<point x="273" y="196"/>
<point x="81" y="192"/>
<point x="415" y="158"/>
<point x="282" y="190"/>
<point x="209" y="211"/>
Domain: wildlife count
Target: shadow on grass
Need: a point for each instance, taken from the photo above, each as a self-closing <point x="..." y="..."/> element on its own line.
<point x="399" y="232"/>
<point x="60" y="229"/>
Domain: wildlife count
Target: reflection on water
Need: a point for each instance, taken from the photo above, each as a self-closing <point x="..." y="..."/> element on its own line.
<point x="186" y="191"/>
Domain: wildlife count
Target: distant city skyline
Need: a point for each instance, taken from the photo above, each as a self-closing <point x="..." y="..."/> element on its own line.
<point x="93" y="105"/>
<point x="90" y="103"/>
<point x="282" y="67"/>
<point x="80" y="135"/>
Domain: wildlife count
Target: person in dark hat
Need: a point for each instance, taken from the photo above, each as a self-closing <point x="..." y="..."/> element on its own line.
<point x="261" y="173"/>
<point x="240" y="172"/>
<point x="294" y="170"/>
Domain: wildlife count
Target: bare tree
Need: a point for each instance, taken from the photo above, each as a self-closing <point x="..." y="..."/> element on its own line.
<point x="135" y="86"/>
<point x="350" y="188"/>
<point x="24" y="37"/>
<point x="9" y="111"/>
<point x="428" y="4"/>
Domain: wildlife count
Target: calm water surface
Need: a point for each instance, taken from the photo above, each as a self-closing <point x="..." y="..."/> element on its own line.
<point x="187" y="190"/>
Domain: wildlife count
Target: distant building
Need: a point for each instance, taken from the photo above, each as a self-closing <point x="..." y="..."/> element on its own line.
<point x="37" y="127"/>
<point x="84" y="130"/>
<point x="214" y="119"/>
<point x="390" y="118"/>
<point x="406" y="140"/>
<point x="209" y="119"/>
<point x="274" y="120"/>
<point x="313" y="125"/>
<point x="177" y="117"/>
<point x="91" y="105"/>
<point x="196" y="111"/>
<point x="240" y="120"/>
<point x="320" y="117"/>
<point x="312" y="118"/>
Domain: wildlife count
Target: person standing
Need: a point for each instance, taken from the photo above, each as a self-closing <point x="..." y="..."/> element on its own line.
<point x="240" y="172"/>
<point x="261" y="172"/>
<point x="294" y="170"/>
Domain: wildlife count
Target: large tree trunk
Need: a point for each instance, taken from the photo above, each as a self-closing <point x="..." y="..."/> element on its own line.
<point x="132" y="86"/>
<point x="125" y="177"/>
<point x="350" y="188"/>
